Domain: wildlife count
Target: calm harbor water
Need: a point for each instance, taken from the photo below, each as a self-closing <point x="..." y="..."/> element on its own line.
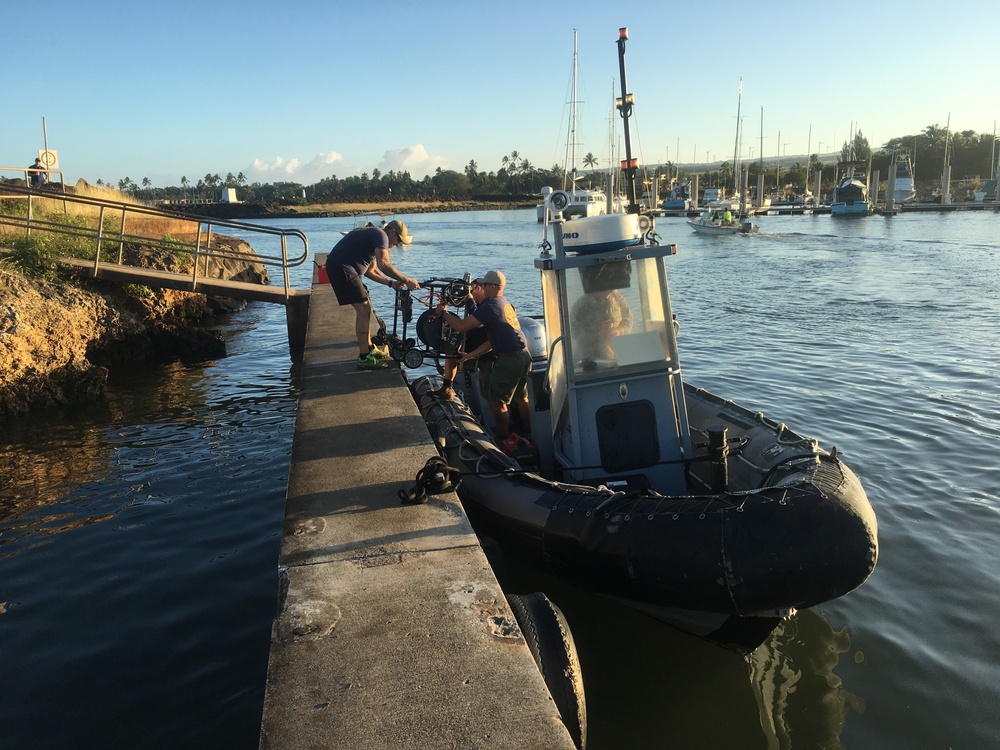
<point x="139" y="537"/>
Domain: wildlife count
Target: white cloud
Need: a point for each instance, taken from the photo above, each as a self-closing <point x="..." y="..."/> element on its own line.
<point x="413" y="159"/>
<point x="280" y="169"/>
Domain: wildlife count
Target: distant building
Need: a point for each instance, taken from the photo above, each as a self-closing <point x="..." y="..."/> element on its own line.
<point x="228" y="196"/>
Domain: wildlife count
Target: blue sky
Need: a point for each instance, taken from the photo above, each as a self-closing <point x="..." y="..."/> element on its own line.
<point x="302" y="90"/>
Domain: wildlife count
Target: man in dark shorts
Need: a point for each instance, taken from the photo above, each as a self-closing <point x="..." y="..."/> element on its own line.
<point x="365" y="252"/>
<point x="509" y="378"/>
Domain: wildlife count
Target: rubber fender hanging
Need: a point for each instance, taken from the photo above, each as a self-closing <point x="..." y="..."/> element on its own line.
<point x="551" y="644"/>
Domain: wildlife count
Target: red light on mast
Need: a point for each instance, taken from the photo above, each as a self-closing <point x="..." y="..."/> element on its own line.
<point x="623" y="32"/>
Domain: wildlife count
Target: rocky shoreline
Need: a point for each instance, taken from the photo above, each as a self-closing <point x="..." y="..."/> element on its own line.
<point x="59" y="341"/>
<point x="257" y="210"/>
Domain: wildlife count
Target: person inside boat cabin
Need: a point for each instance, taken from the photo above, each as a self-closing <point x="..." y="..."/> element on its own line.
<point x="508" y="382"/>
<point x="595" y="318"/>
<point x="361" y="253"/>
<point x="475" y="347"/>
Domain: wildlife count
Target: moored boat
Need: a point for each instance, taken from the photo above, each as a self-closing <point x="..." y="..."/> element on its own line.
<point x="583" y="202"/>
<point x="850" y="196"/>
<point x="679" y="199"/>
<point x="904" y="189"/>
<point x="639" y="486"/>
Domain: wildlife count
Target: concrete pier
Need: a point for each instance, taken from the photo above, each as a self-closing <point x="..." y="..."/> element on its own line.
<point x="392" y="630"/>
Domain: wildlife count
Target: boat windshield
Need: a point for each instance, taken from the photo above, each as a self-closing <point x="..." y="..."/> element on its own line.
<point x="617" y="319"/>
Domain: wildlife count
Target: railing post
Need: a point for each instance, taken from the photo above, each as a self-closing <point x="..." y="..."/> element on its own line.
<point x="100" y="237"/>
<point x="121" y="237"/>
<point x="284" y="262"/>
<point x="197" y="253"/>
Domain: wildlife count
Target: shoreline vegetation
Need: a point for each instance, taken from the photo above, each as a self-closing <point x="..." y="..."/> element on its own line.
<point x="62" y="336"/>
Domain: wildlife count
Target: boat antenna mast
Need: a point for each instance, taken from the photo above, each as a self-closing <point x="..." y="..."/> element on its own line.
<point x="624" y="104"/>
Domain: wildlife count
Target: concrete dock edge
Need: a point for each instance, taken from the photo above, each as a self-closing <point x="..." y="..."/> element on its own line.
<point x="391" y="630"/>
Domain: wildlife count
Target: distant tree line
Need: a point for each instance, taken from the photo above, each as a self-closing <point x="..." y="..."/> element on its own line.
<point x="969" y="153"/>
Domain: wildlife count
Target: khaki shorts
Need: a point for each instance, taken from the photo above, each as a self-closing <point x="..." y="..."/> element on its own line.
<point x="509" y="378"/>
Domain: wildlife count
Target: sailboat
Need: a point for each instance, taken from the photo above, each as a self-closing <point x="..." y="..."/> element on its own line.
<point x="715" y="198"/>
<point x="582" y="202"/>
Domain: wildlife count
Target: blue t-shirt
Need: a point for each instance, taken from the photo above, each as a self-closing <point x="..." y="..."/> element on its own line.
<point x="357" y="249"/>
<point x="499" y="318"/>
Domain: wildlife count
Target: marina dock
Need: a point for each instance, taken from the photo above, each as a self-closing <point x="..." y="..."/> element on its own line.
<point x="391" y="629"/>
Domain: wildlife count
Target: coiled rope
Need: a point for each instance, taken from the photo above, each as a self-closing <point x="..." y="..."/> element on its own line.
<point x="435" y="478"/>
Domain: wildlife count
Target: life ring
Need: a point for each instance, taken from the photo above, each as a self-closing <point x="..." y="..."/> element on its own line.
<point x="550" y="641"/>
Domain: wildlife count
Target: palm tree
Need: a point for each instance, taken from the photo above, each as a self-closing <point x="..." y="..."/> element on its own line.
<point x="590" y="160"/>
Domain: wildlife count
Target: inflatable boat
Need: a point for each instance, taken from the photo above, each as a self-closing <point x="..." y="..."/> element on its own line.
<point x="641" y="487"/>
<point x="636" y="485"/>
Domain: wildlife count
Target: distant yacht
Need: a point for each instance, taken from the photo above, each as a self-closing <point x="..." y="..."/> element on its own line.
<point x="850" y="197"/>
<point x="905" y="192"/>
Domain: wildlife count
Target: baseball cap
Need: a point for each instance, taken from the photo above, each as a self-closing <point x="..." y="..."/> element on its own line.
<point x="400" y="229"/>
<point x="492" y="277"/>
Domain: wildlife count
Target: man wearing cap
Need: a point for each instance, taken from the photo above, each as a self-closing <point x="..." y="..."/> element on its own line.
<point x="37" y="175"/>
<point x="365" y="252"/>
<point x="509" y="378"/>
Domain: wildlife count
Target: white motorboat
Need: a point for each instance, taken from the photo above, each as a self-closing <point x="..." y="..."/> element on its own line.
<point x="715" y="223"/>
<point x="905" y="191"/>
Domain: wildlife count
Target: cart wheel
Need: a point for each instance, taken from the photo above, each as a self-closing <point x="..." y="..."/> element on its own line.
<point x="413" y="358"/>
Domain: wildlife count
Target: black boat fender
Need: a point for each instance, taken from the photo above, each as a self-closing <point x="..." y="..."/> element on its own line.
<point x="550" y="641"/>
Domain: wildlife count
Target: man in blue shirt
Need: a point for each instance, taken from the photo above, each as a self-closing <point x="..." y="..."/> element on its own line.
<point x="509" y="378"/>
<point x="37" y="175"/>
<point x="365" y="252"/>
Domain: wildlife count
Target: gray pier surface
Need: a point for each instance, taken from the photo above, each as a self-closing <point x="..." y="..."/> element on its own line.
<point x="392" y="630"/>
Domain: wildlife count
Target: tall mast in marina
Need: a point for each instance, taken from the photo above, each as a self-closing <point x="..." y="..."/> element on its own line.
<point x="946" y="170"/>
<point x="570" y="166"/>
<point x="736" y="146"/>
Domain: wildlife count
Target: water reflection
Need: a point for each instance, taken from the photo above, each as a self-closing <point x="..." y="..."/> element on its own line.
<point x="801" y="699"/>
<point x="47" y="457"/>
<point x="650" y="685"/>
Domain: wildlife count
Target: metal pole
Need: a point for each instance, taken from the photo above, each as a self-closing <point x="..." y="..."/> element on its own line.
<point x="625" y="108"/>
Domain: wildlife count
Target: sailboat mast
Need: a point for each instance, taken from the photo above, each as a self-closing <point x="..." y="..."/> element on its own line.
<point x="629" y="165"/>
<point x="573" y="120"/>
<point x="736" y="146"/>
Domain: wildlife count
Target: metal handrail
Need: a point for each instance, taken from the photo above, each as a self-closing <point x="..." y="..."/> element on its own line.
<point x="201" y="248"/>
